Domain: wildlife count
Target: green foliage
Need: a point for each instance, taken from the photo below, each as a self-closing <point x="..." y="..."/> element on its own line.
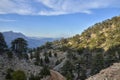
<point x="69" y="76"/>
<point x="83" y="75"/>
<point x="67" y="70"/>
<point x="9" y="74"/>
<point x="18" y="75"/>
<point x="19" y="45"/>
<point x="97" y="63"/>
<point x="63" y="41"/>
<point x="45" y="71"/>
<point x="46" y="59"/>
<point x="57" y="62"/>
<point x="48" y="45"/>
<point x="31" y="56"/>
<point x="32" y="77"/>
<point x="36" y="63"/>
<point x="10" y="54"/>
<point x="15" y="75"/>
<point x="80" y="50"/>
<point x="71" y="55"/>
<point x="63" y="48"/>
<point x="3" y="45"/>
<point x="25" y="56"/>
<point x="50" y="54"/>
<point x="55" y="54"/>
<point x="37" y="56"/>
<point x="112" y="55"/>
<point x="41" y="62"/>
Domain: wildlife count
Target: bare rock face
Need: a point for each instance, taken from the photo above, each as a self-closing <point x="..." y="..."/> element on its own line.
<point x="111" y="73"/>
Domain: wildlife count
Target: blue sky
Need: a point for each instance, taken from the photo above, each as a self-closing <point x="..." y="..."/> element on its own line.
<point x="54" y="18"/>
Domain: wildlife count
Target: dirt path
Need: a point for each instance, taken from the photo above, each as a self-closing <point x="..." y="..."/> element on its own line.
<point x="56" y="76"/>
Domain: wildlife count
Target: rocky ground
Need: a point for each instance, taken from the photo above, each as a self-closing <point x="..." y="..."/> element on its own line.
<point x="111" y="73"/>
<point x="56" y="76"/>
<point x="17" y="64"/>
<point x="25" y="65"/>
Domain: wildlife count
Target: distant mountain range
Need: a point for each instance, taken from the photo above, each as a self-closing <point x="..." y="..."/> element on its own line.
<point x="33" y="42"/>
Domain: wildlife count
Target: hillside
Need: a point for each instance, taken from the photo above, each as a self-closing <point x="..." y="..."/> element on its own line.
<point x="101" y="35"/>
<point x="84" y="55"/>
<point x="111" y="73"/>
<point x="96" y="48"/>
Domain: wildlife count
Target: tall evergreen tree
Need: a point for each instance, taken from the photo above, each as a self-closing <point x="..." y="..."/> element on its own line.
<point x="67" y="70"/>
<point x="3" y="45"/>
<point x="47" y="59"/>
<point x="97" y="63"/>
<point x="19" y="45"/>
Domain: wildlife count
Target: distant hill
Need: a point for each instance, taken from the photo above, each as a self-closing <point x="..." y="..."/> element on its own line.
<point x="33" y="42"/>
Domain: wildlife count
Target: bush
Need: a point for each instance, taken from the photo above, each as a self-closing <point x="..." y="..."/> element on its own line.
<point x="97" y="63"/>
<point x="8" y="75"/>
<point x="50" y="54"/>
<point x="55" y="54"/>
<point x="67" y="70"/>
<point x="57" y="62"/>
<point x="32" y="77"/>
<point x="47" y="59"/>
<point x="18" y="75"/>
<point x="10" y="54"/>
<point x="45" y="71"/>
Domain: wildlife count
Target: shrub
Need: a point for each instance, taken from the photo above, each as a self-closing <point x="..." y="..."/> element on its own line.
<point x="18" y="75"/>
<point x="45" y="71"/>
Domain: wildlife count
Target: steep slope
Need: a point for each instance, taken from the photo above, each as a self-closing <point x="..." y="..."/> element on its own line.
<point x="111" y="73"/>
<point x="98" y="47"/>
<point x="101" y="35"/>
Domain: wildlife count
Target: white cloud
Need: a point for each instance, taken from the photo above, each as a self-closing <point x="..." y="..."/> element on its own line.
<point x="7" y="20"/>
<point x="15" y="7"/>
<point x="53" y="7"/>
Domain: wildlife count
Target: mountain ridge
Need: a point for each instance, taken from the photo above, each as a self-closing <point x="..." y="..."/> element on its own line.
<point x="33" y="42"/>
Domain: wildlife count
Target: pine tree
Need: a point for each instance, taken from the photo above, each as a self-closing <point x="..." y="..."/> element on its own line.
<point x="3" y="45"/>
<point x="47" y="59"/>
<point x="45" y="71"/>
<point x="19" y="46"/>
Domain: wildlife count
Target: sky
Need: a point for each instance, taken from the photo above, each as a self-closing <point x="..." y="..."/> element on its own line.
<point x="54" y="18"/>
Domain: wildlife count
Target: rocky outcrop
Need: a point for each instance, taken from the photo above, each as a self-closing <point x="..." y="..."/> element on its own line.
<point x="56" y="76"/>
<point x="111" y="73"/>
